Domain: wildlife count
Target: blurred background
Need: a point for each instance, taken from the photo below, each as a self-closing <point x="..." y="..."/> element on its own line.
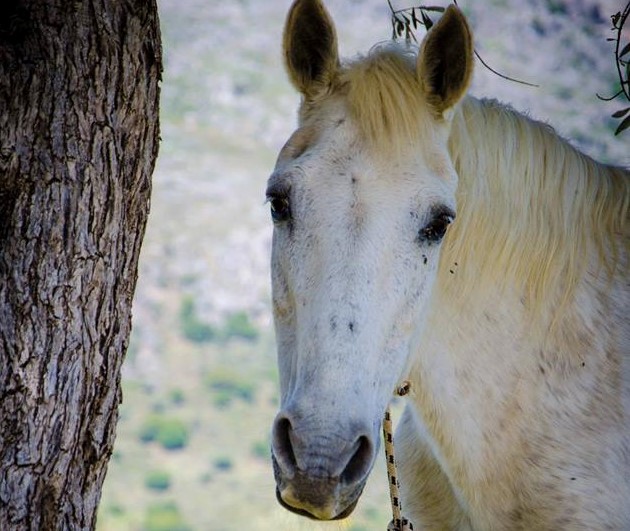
<point x="199" y="381"/>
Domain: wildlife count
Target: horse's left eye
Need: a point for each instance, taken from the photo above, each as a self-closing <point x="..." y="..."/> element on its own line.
<point x="435" y="230"/>
<point x="280" y="210"/>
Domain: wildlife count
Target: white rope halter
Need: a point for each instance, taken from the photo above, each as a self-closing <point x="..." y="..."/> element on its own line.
<point x="399" y="522"/>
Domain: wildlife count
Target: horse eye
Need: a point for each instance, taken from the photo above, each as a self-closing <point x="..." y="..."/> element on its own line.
<point x="435" y="230"/>
<point x="280" y="210"/>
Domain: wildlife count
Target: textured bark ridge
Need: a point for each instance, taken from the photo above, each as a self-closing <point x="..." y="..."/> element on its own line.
<point x="78" y="142"/>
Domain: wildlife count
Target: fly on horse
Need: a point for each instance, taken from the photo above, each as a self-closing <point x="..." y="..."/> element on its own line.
<point x="421" y="234"/>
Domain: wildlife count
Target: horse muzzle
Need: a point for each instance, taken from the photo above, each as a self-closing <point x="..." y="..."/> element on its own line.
<point x="320" y="475"/>
<point x="318" y="499"/>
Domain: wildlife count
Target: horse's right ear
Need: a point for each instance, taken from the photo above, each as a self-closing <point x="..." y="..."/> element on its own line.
<point x="310" y="47"/>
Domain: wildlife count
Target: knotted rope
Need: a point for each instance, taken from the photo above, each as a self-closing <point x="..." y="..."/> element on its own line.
<point x="399" y="522"/>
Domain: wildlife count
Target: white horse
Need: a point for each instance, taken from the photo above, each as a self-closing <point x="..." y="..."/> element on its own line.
<point x="426" y="236"/>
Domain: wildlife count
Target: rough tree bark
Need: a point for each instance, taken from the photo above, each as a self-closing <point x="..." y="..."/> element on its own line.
<point x="78" y="142"/>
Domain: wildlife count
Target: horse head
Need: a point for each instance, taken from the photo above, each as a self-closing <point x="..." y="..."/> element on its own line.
<point x="361" y="198"/>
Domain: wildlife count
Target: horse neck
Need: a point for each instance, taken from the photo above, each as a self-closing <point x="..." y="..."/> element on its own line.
<point x="533" y="213"/>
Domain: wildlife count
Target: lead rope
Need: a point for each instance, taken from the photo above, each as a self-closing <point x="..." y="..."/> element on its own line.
<point x="399" y="522"/>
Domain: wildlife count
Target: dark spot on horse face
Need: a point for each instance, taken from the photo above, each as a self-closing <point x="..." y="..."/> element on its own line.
<point x="424" y="259"/>
<point x="351" y="326"/>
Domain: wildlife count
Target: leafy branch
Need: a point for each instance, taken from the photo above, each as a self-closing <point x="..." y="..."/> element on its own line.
<point x="623" y="67"/>
<point x="405" y="21"/>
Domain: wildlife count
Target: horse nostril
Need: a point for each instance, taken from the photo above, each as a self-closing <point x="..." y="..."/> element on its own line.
<point x="360" y="462"/>
<point x="282" y="447"/>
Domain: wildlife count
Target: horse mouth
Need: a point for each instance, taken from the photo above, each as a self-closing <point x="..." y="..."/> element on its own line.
<point x="303" y="512"/>
<point x="317" y="497"/>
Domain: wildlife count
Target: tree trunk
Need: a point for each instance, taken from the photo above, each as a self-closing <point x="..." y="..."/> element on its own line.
<point x="78" y="142"/>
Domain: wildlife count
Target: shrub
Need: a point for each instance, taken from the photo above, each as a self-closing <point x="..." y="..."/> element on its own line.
<point x="177" y="397"/>
<point x="222" y="399"/>
<point x="557" y="7"/>
<point x="170" y="432"/>
<point x="164" y="516"/>
<point x="238" y="325"/>
<point x="150" y="429"/>
<point x="223" y="463"/>
<point x="157" y="480"/>
<point x="173" y="435"/>
<point x="192" y="328"/>
<point x="227" y="385"/>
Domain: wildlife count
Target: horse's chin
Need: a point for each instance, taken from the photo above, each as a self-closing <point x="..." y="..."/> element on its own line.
<point x="316" y="497"/>
<point x="304" y="512"/>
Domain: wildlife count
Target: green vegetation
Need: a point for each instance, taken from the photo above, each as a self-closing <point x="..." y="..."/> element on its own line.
<point x="157" y="480"/>
<point x="164" y="516"/>
<point x="223" y="464"/>
<point x="177" y="397"/>
<point x="557" y="7"/>
<point x="192" y="328"/>
<point x="238" y="325"/>
<point x="227" y="385"/>
<point x="169" y="432"/>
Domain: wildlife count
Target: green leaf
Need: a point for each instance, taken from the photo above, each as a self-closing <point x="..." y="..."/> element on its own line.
<point x="625" y="50"/>
<point x="621" y="113"/>
<point x="623" y="125"/>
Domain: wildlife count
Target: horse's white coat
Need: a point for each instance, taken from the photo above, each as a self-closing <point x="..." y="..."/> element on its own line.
<point x="516" y="339"/>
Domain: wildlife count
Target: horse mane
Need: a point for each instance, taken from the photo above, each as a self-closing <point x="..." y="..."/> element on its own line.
<point x="531" y="208"/>
<point x="537" y="210"/>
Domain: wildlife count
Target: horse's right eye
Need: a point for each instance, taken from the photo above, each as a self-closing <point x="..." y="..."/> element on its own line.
<point x="280" y="210"/>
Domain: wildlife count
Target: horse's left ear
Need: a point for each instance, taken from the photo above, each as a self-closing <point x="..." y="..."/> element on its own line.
<point x="445" y="60"/>
<point x="310" y="46"/>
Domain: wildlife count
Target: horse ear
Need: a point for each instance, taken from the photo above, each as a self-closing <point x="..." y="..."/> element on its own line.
<point x="445" y="60"/>
<point x="310" y="46"/>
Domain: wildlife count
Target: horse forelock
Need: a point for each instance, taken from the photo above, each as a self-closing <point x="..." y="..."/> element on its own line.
<point x="384" y="98"/>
